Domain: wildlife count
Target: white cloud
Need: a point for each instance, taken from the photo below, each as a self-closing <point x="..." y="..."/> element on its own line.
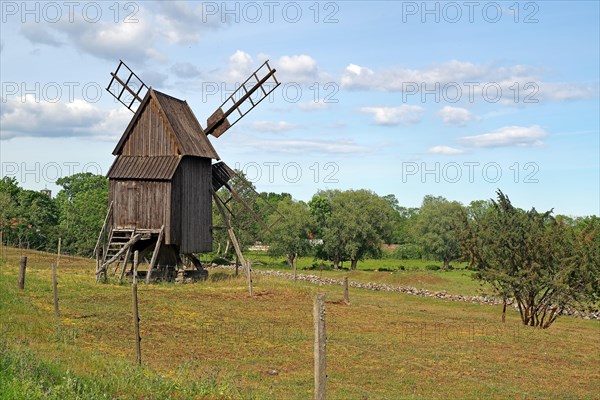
<point x="45" y="119"/>
<point x="456" y="116"/>
<point x="273" y="126"/>
<point x="445" y="150"/>
<point x="298" y="68"/>
<point x="240" y="66"/>
<point x="508" y="136"/>
<point x="565" y="91"/>
<point x="185" y="22"/>
<point x="520" y="84"/>
<point x="393" y="79"/>
<point x="391" y="116"/>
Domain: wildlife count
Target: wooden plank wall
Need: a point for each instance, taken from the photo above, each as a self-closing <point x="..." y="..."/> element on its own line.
<point x="191" y="214"/>
<point x="151" y="136"/>
<point x="141" y="204"/>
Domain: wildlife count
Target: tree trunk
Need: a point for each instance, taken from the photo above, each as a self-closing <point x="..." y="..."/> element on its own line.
<point x="290" y="260"/>
<point x="504" y="311"/>
<point x="336" y="263"/>
<point x="227" y="247"/>
<point x="446" y="264"/>
<point x="218" y="248"/>
<point x="353" y="263"/>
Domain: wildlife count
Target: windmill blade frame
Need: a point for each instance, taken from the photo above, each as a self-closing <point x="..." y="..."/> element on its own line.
<point x="127" y="86"/>
<point x="218" y="122"/>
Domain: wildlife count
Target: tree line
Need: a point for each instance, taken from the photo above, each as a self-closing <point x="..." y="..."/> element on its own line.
<point x="543" y="262"/>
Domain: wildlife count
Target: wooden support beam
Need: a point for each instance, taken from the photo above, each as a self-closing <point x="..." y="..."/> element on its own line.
<point x="102" y="231"/>
<point x="232" y="237"/>
<point x="155" y="254"/>
<point x="104" y="266"/>
<point x="125" y="261"/>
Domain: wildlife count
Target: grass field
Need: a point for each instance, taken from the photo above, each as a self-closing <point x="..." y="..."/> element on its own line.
<point x="211" y="341"/>
<point x="391" y="271"/>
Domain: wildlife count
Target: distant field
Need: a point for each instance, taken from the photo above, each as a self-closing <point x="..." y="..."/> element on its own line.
<point x="211" y="341"/>
<point x="414" y="273"/>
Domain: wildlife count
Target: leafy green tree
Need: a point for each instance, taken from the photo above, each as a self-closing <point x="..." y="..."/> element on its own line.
<point x="437" y="228"/>
<point x="83" y="203"/>
<point x="404" y="225"/>
<point x="540" y="261"/>
<point x="358" y="222"/>
<point x="320" y="208"/>
<point x="37" y="216"/>
<point x="290" y="237"/>
<point x="466" y="234"/>
<point x="9" y="191"/>
<point x="10" y="186"/>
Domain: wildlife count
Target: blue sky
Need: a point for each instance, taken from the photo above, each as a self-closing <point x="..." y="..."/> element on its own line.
<point x="455" y="99"/>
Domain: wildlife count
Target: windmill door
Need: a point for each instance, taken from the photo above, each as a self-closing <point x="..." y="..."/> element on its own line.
<point x="126" y="199"/>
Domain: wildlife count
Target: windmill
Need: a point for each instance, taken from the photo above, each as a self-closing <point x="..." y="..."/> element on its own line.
<point x="163" y="180"/>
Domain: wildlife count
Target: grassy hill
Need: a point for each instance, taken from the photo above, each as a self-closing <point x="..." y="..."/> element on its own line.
<point x="210" y="341"/>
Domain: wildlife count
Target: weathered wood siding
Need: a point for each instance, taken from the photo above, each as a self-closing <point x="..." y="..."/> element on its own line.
<point x="151" y="135"/>
<point x="191" y="213"/>
<point x="141" y="204"/>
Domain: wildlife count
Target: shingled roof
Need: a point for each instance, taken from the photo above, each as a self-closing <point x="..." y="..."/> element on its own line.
<point x="188" y="134"/>
<point x="144" y="167"/>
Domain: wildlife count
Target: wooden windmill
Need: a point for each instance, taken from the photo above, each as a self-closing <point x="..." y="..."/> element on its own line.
<point x="162" y="182"/>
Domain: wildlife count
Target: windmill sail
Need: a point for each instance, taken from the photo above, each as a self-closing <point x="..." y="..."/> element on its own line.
<point x="243" y="194"/>
<point x="255" y="89"/>
<point x="127" y="87"/>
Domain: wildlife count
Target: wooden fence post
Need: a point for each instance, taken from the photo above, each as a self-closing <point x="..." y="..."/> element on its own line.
<point x="295" y="264"/>
<point x="346" y="296"/>
<point x="58" y="253"/>
<point x="136" y="315"/>
<point x="320" y="346"/>
<point x="55" y="287"/>
<point x="249" y="263"/>
<point x="22" y="267"/>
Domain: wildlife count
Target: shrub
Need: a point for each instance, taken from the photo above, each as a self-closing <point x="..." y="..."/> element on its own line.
<point x="408" y="252"/>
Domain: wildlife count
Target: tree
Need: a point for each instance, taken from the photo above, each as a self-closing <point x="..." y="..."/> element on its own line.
<point x="356" y="223"/>
<point x="83" y="203"/>
<point x="540" y="261"/>
<point x="466" y="233"/>
<point x="320" y="209"/>
<point x="290" y="236"/>
<point x="437" y="228"/>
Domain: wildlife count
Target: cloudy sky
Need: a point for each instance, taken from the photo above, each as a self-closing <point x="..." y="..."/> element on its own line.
<point x="447" y="98"/>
